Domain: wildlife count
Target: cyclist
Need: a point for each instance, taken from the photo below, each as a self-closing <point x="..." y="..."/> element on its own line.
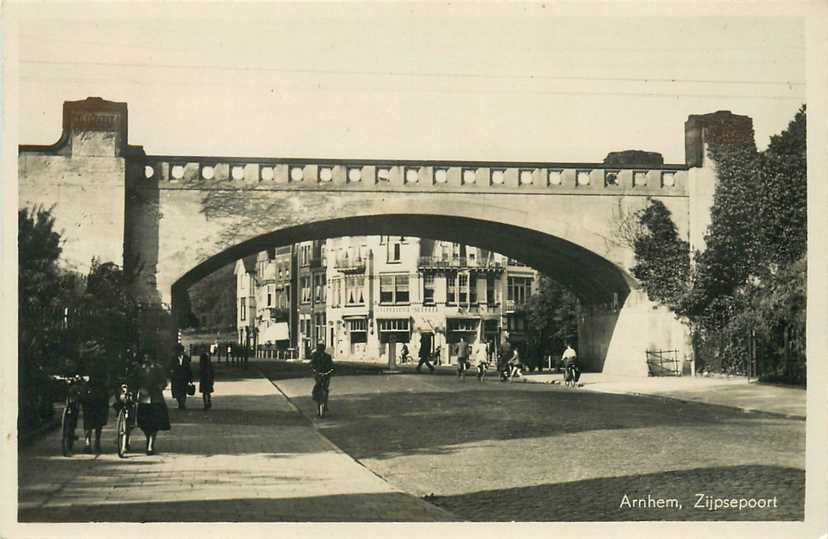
<point x="323" y="367"/>
<point x="570" y="359"/>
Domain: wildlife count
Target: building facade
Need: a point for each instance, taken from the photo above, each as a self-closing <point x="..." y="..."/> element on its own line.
<point x="365" y="297"/>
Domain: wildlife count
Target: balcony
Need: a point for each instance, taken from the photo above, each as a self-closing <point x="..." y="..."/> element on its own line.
<point x="458" y="262"/>
<point x="348" y="266"/>
<point x="511" y="306"/>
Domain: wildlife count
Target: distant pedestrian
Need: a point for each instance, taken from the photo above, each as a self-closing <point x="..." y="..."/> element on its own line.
<point x="572" y="373"/>
<point x="482" y="356"/>
<point x="405" y="355"/>
<point x="424" y="354"/>
<point x="182" y="378"/>
<point x="462" y="358"/>
<point x="229" y="350"/>
<point x="152" y="410"/>
<point x="206" y="380"/>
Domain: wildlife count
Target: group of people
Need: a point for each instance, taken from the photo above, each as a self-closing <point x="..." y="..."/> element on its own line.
<point x="509" y="363"/>
<point x="148" y="377"/>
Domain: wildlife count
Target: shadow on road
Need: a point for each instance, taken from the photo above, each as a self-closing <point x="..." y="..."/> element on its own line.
<point x="601" y="499"/>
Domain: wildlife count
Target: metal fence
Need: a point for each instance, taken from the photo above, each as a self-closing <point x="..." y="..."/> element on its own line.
<point x="663" y="363"/>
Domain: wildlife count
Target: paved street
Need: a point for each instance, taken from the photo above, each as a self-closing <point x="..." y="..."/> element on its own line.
<point x="533" y="452"/>
<point x="525" y="452"/>
<point x="251" y="458"/>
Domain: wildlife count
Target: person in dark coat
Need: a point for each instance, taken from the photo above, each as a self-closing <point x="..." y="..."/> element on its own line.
<point x="182" y="376"/>
<point x="152" y="410"/>
<point x="424" y="353"/>
<point x="206" y="379"/>
<point x="95" y="405"/>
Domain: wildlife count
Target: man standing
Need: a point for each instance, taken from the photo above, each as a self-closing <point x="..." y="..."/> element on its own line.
<point x="182" y="377"/>
<point x="462" y="358"/>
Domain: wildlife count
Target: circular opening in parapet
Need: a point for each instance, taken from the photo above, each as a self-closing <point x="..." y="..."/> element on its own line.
<point x="354" y="175"/>
<point x="177" y="172"/>
<point x="440" y="175"/>
<point x="668" y="179"/>
<point x="237" y="172"/>
<point x="526" y="177"/>
<point x="149" y="172"/>
<point x="613" y="177"/>
<point x="469" y="176"/>
<point x="297" y="173"/>
<point x="325" y="174"/>
<point x="498" y="177"/>
<point x="555" y="177"/>
<point x="267" y="173"/>
<point x="412" y="175"/>
<point x="384" y="174"/>
<point x="208" y="172"/>
<point x="583" y="177"/>
<point x="640" y="179"/>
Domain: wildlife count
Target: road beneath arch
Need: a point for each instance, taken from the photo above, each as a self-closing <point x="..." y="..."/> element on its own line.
<point x="487" y="452"/>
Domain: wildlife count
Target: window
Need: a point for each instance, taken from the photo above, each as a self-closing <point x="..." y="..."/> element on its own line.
<point x="269" y="295"/>
<point x="394" y="289"/>
<point x="319" y="289"/>
<point x="461" y="324"/>
<point x="518" y="289"/>
<point x="306" y="289"/>
<point x="463" y="288"/>
<point x="394" y="251"/>
<point x="243" y="309"/>
<point x="319" y="335"/>
<point x="451" y="288"/>
<point x="428" y="289"/>
<point x="473" y="290"/>
<point x="355" y="290"/>
<point x="491" y="297"/>
<point x="358" y="329"/>
<point x="395" y="324"/>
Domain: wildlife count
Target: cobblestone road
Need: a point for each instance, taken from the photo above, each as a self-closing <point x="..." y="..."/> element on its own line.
<point x="531" y="452"/>
<point x="252" y="458"/>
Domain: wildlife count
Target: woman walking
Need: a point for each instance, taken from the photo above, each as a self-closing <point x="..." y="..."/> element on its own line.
<point x="152" y="410"/>
<point x="206" y="379"/>
<point x="95" y="404"/>
<point x="182" y="377"/>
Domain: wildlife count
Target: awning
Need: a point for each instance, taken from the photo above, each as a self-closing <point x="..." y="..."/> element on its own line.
<point x="277" y="332"/>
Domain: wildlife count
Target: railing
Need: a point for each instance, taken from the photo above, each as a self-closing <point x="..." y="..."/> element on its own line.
<point x="663" y="363"/>
<point x="345" y="265"/>
<point x="435" y="176"/>
<point x="457" y="262"/>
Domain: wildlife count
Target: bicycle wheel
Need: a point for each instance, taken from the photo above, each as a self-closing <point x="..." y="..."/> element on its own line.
<point x="67" y="438"/>
<point x="122" y="430"/>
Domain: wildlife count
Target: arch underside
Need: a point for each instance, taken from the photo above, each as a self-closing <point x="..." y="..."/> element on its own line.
<point x="591" y="277"/>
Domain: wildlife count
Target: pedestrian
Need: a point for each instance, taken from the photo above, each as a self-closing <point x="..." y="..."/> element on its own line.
<point x="182" y="378"/>
<point x="503" y="360"/>
<point x="95" y="405"/>
<point x="228" y="358"/>
<point x="462" y="358"/>
<point x="206" y="379"/>
<point x="515" y="365"/>
<point x="424" y="354"/>
<point x="482" y="361"/>
<point x="152" y="410"/>
<point x="322" y="367"/>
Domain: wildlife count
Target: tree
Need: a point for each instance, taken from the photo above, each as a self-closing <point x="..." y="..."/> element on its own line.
<point x="43" y="292"/>
<point x="662" y="258"/>
<point x="552" y="317"/>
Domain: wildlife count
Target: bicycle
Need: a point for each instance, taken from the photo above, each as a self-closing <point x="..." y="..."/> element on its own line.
<point x="71" y="411"/>
<point x="127" y="404"/>
<point x="571" y="376"/>
<point x="321" y="391"/>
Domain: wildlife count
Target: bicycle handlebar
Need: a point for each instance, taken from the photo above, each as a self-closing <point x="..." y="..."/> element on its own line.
<point x="328" y="373"/>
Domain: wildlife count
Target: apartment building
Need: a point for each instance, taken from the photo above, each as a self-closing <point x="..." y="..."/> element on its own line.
<point x="367" y="296"/>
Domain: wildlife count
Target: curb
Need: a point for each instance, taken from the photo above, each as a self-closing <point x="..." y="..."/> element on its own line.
<point x="682" y="400"/>
<point x="337" y="449"/>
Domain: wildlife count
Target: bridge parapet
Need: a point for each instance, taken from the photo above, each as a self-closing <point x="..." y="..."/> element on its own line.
<point x="187" y="172"/>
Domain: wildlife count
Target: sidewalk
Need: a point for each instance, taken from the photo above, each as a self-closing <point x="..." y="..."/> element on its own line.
<point x="251" y="458"/>
<point x="733" y="392"/>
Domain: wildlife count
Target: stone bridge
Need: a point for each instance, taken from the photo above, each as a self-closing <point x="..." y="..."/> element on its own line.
<point x="175" y="219"/>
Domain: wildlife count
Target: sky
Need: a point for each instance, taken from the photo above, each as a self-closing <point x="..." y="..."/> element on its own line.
<point x="407" y="81"/>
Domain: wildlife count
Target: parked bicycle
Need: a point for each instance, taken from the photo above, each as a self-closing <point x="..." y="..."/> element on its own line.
<point x="321" y="391"/>
<point x="71" y="411"/>
<point x="126" y="402"/>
